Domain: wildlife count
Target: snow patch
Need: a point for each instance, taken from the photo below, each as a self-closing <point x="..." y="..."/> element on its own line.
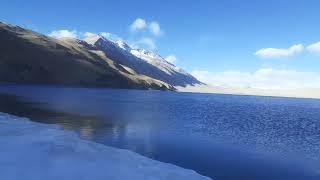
<point x="138" y="54"/>
<point x="123" y="45"/>
<point x="34" y="151"/>
<point x="157" y="61"/>
<point x="92" y="39"/>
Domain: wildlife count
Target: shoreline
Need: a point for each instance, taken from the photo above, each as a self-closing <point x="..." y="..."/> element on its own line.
<point x="203" y="89"/>
<point x="207" y="89"/>
<point x="50" y="152"/>
<point x="202" y="156"/>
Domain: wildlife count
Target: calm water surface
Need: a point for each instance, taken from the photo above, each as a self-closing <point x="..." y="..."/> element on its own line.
<point x="220" y="136"/>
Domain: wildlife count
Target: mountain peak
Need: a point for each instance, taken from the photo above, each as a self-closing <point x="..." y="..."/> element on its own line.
<point x="121" y="51"/>
<point x="123" y="45"/>
<point x="94" y="38"/>
<point x="102" y="41"/>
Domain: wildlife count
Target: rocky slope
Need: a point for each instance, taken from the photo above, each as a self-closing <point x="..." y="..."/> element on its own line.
<point x="31" y="58"/>
<point x="142" y="61"/>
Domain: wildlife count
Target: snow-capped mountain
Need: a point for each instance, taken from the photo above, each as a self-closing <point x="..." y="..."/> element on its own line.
<point x="28" y="57"/>
<point x="142" y="61"/>
<point x="157" y="60"/>
<point x="32" y="58"/>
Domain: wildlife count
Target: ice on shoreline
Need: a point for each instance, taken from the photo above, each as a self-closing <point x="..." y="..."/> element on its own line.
<point x="34" y="151"/>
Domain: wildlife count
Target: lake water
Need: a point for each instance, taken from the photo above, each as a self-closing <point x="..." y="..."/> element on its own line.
<point x="220" y="136"/>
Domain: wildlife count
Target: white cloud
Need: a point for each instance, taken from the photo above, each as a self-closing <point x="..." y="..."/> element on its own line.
<point x="105" y="34"/>
<point x="314" y="48"/>
<point x="277" y="53"/>
<point x="89" y="34"/>
<point x="171" y="59"/>
<point x="138" y="24"/>
<point x="154" y="28"/>
<point x="64" y="34"/>
<point x="145" y="42"/>
<point x="141" y="24"/>
<point x="147" y="39"/>
<point x="148" y="42"/>
<point x="264" y="78"/>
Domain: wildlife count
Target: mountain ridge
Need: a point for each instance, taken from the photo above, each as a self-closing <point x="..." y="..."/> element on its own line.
<point x="31" y="58"/>
<point x="142" y="61"/>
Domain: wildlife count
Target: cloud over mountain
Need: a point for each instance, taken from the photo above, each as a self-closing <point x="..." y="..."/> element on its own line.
<point x="64" y="34"/>
<point x="314" y="48"/>
<point x="279" y="52"/>
<point x="140" y="24"/>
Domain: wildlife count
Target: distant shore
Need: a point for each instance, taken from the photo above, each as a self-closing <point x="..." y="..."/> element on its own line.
<point x="297" y="93"/>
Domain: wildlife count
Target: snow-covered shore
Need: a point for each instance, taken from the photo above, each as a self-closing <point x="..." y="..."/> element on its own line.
<point x="34" y="151"/>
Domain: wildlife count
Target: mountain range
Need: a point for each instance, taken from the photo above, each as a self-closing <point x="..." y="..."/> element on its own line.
<point x="29" y="57"/>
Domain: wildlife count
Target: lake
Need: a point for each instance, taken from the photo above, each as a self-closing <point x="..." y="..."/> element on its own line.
<point x="220" y="136"/>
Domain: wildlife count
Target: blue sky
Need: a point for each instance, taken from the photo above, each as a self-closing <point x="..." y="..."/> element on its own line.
<point x="217" y="41"/>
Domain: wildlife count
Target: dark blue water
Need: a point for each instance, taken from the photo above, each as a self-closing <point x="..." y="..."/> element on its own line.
<point x="221" y="136"/>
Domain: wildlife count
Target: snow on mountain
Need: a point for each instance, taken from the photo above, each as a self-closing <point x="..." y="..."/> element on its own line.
<point x="29" y="57"/>
<point x="148" y="56"/>
<point x="104" y="44"/>
<point x="101" y="39"/>
<point x="123" y="45"/>
<point x="92" y="39"/>
<point x="156" y="60"/>
<point x="142" y="61"/>
<point x="34" y="151"/>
